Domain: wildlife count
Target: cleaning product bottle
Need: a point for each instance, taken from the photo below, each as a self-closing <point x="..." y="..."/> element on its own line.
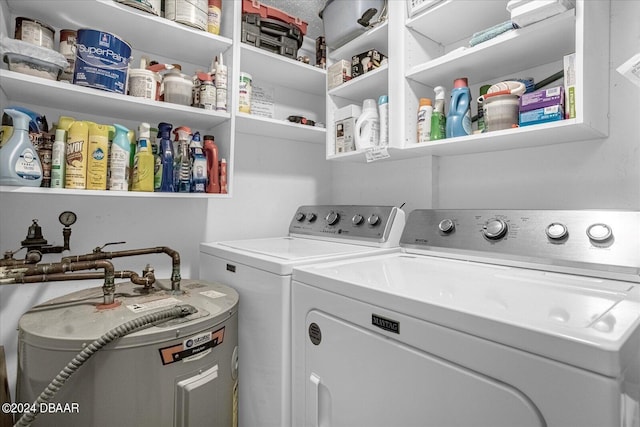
<point x="214" y="16"/>
<point x="19" y="163"/>
<point x="143" y="162"/>
<point x="182" y="164"/>
<point x="425" y="111"/>
<point x="367" y="127"/>
<point x="383" y="112"/>
<point x="213" y="167"/>
<point x="438" y="119"/>
<point x="119" y="167"/>
<point x="166" y="158"/>
<point x="220" y="82"/>
<point x="97" y="158"/>
<point x="459" y="117"/>
<point x="223" y="176"/>
<point x="133" y="149"/>
<point x="76" y="155"/>
<point x="198" y="165"/>
<point x="58" y="158"/>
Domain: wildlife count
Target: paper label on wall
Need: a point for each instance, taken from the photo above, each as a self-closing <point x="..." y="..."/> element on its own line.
<point x="262" y="100"/>
<point x="147" y="306"/>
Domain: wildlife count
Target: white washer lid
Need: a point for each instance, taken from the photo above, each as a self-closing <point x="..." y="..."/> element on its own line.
<point x="280" y="254"/>
<point x="588" y="322"/>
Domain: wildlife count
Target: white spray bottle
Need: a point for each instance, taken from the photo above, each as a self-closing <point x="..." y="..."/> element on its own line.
<point x="19" y="162"/>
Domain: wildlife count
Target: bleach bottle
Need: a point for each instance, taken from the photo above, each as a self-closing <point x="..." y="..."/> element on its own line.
<point x="19" y="162"/>
<point x="166" y="157"/>
<point x="459" y="117"/>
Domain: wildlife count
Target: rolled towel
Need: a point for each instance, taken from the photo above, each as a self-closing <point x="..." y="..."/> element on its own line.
<point x="489" y="33"/>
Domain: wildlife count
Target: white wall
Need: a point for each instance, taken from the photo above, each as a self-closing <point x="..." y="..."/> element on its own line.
<point x="601" y="174"/>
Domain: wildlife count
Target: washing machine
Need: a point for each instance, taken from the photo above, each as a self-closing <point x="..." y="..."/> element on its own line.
<point x="260" y="271"/>
<point x="484" y="318"/>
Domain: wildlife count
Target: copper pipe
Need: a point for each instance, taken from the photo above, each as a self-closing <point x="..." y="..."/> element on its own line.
<point x="32" y="257"/>
<point x="147" y="280"/>
<point x="98" y="254"/>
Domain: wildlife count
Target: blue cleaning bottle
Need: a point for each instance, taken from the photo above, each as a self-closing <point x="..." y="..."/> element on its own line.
<point x="19" y="162"/>
<point x="198" y="165"/>
<point x="459" y="117"/>
<point x="166" y="157"/>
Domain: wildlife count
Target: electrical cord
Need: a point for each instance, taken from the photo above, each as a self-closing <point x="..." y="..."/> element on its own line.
<point x="118" y="332"/>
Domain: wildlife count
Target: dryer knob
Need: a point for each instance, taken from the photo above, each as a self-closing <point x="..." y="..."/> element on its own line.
<point x="599" y="232"/>
<point x="495" y="229"/>
<point x="446" y="226"/>
<point x="373" y="219"/>
<point x="557" y="231"/>
<point x="300" y="217"/>
<point x="333" y="218"/>
<point x="311" y="217"/>
<point x="357" y="219"/>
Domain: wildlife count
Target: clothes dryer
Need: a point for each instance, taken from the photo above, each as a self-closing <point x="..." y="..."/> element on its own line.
<point x="485" y="318"/>
<point x="260" y="271"/>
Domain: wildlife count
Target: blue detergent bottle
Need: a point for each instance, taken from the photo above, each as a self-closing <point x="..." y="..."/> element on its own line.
<point x="166" y="157"/>
<point x="459" y="117"/>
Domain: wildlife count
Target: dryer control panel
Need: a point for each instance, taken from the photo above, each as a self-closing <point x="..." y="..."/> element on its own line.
<point x="603" y="240"/>
<point x="355" y="222"/>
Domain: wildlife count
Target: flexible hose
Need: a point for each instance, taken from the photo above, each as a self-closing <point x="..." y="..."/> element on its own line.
<point x="118" y="332"/>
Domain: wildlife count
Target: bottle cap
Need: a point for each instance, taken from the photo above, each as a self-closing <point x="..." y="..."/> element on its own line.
<point x="60" y="134"/>
<point x="144" y="131"/>
<point x="369" y="104"/>
<point x="461" y="82"/>
<point x="384" y="99"/>
<point x="425" y="101"/>
<point x="439" y="91"/>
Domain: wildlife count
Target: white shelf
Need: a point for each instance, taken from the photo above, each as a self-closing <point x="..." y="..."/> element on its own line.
<point x="164" y="38"/>
<point x="106" y="193"/>
<point x="279" y="129"/>
<point x="282" y="70"/>
<point x="369" y="85"/>
<point x="508" y="53"/>
<point x="66" y="96"/>
<point x="375" y="38"/>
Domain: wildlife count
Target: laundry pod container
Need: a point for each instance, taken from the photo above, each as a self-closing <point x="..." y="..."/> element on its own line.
<point x="181" y="372"/>
<point x="501" y="111"/>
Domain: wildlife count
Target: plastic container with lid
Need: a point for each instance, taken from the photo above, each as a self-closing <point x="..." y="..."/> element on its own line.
<point x="177" y="88"/>
<point x="144" y="83"/>
<point x="27" y="58"/>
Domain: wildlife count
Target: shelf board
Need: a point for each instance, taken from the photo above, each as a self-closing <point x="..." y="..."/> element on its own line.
<point x="375" y="38"/>
<point x="171" y="40"/>
<point x="65" y="96"/>
<point x="529" y="45"/>
<point x="280" y="69"/>
<point x="369" y="85"/>
<point x="105" y="193"/>
<point x="442" y="22"/>
<point x="530" y="136"/>
<point x="279" y="129"/>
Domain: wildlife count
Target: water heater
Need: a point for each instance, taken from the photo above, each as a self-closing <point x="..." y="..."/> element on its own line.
<point x="178" y="373"/>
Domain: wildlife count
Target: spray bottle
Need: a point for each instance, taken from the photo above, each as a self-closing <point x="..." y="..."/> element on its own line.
<point x="166" y="158"/>
<point x="438" y="119"/>
<point x="182" y="165"/>
<point x="143" y="162"/>
<point x="119" y="166"/>
<point x="19" y="162"/>
<point x="213" y="166"/>
<point x="198" y="165"/>
<point x="459" y="118"/>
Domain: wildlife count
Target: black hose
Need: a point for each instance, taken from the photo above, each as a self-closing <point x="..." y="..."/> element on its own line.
<point x="118" y="332"/>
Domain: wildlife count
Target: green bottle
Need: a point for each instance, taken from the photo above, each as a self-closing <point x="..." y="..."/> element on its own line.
<point x="438" y="119"/>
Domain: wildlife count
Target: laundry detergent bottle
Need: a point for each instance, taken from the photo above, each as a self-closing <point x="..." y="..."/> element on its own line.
<point x="19" y="162"/>
<point x="367" y="127"/>
<point x="459" y="117"/>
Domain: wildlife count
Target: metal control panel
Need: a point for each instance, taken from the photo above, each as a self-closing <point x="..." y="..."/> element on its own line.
<point x="600" y="240"/>
<point x="373" y="223"/>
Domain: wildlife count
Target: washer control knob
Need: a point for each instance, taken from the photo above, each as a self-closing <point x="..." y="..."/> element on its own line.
<point x="373" y="219"/>
<point x="333" y="218"/>
<point x="495" y="229"/>
<point x="557" y="231"/>
<point x="311" y="217"/>
<point x="446" y="226"/>
<point x="357" y="219"/>
<point x="599" y="232"/>
<point x="300" y="217"/>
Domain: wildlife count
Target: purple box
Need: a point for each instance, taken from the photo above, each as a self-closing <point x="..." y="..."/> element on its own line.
<point x="542" y="98"/>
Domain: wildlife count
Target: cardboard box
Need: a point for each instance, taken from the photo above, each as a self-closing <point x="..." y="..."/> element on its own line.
<point x="366" y="61"/>
<point x="338" y="73"/>
<point x="541" y="115"/>
<point x="570" y="86"/>
<point x="542" y="98"/>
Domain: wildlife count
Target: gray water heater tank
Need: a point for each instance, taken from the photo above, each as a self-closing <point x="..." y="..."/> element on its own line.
<point x="179" y="373"/>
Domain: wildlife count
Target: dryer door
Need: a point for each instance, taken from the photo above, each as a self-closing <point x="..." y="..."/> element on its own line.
<point x="359" y="378"/>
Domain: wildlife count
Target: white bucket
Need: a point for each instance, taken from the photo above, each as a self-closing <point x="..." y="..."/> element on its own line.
<point x="500" y="111"/>
<point x="144" y="83"/>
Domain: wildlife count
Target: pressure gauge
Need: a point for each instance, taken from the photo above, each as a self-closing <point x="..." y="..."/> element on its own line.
<point x="67" y="218"/>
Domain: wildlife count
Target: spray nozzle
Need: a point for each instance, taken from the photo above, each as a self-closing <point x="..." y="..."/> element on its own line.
<point x="182" y="133"/>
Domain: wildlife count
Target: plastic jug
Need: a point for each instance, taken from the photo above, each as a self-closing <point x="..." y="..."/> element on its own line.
<point x="19" y="162"/>
<point x="367" y="127"/>
<point x="459" y="117"/>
